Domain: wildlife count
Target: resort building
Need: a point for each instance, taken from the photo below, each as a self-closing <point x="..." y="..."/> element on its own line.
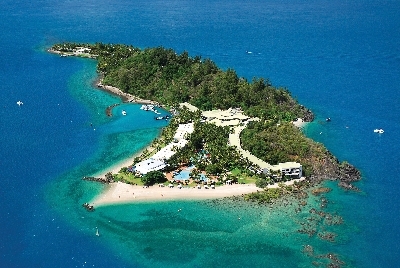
<point x="148" y="165"/>
<point x="230" y="117"/>
<point x="183" y="129"/>
<point x="292" y="169"/>
<point x="157" y="161"/>
<point x="168" y="151"/>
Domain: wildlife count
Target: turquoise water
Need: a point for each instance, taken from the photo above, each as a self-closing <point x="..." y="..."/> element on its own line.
<point x="339" y="58"/>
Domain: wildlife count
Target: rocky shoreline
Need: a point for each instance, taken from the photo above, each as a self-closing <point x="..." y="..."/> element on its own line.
<point x="308" y="116"/>
<point x="331" y="169"/>
<point x="109" y="109"/>
<point x="126" y="97"/>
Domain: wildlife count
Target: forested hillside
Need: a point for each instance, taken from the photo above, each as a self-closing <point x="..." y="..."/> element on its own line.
<point x="167" y="77"/>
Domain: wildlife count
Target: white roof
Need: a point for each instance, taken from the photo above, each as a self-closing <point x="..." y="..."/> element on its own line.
<point x="182" y="130"/>
<point x="221" y="123"/>
<point x="149" y="165"/>
<point x="157" y="161"/>
<point x="288" y="165"/>
<point x="230" y="117"/>
<point x="168" y="151"/>
<point x="191" y="107"/>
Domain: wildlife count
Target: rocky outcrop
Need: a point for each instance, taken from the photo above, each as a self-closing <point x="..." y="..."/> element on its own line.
<point x="346" y="175"/>
<point x="109" y="109"/>
<point x="308" y="115"/>
<point x="105" y="179"/>
<point x="88" y="207"/>
<point x="320" y="190"/>
<point x="329" y="168"/>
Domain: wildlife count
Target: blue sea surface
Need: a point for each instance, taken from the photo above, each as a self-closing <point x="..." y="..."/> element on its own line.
<point x="339" y="58"/>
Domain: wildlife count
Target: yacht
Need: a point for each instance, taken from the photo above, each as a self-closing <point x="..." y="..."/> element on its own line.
<point x="379" y="130"/>
<point x="123" y="112"/>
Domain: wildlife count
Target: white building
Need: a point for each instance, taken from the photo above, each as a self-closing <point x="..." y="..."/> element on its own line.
<point x="292" y="169"/>
<point x="157" y="161"/>
<point x="168" y="151"/>
<point x="183" y="129"/>
<point x="149" y="165"/>
<point x="230" y="117"/>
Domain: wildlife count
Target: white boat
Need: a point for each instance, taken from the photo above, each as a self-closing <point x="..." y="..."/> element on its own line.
<point x="379" y="130"/>
<point x="19" y="103"/>
<point x="97" y="232"/>
<point x="123" y="112"/>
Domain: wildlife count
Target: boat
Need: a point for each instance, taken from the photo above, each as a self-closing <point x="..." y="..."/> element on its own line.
<point x="328" y="119"/>
<point x="123" y="112"/>
<point x="161" y="117"/>
<point x="97" y="232"/>
<point x="380" y="131"/>
<point x="19" y="103"/>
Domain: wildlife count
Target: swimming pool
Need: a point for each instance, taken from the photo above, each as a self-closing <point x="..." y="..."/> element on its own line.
<point x="185" y="175"/>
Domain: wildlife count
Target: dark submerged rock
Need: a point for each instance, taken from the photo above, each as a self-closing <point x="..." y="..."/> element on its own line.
<point x="88" y="207"/>
<point x="106" y="179"/>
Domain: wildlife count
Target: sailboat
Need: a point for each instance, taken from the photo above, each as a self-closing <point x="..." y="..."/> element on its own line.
<point x="97" y="232"/>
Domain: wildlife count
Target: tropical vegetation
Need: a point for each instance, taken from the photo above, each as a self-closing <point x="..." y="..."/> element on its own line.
<point x="170" y="78"/>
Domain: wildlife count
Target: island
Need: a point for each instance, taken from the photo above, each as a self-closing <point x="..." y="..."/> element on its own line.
<point x="226" y="136"/>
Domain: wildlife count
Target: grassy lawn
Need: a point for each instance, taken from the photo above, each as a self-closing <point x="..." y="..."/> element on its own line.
<point x="130" y="178"/>
<point x="243" y="177"/>
<point x="246" y="179"/>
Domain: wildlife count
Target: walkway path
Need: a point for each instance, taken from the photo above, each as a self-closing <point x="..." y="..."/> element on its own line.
<point x="234" y="140"/>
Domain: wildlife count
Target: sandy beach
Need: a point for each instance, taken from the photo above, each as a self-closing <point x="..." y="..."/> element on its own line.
<point x="114" y="169"/>
<point x="299" y="123"/>
<point x="119" y="193"/>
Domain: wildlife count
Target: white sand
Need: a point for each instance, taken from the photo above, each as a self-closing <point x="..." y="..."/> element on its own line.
<point x="118" y="193"/>
<point x="114" y="169"/>
<point x="299" y="123"/>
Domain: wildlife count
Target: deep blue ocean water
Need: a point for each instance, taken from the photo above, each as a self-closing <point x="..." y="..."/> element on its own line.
<point x="339" y="58"/>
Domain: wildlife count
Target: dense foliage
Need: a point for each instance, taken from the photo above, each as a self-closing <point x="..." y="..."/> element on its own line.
<point x="278" y="143"/>
<point x="153" y="177"/>
<point x="207" y="148"/>
<point x="161" y="74"/>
